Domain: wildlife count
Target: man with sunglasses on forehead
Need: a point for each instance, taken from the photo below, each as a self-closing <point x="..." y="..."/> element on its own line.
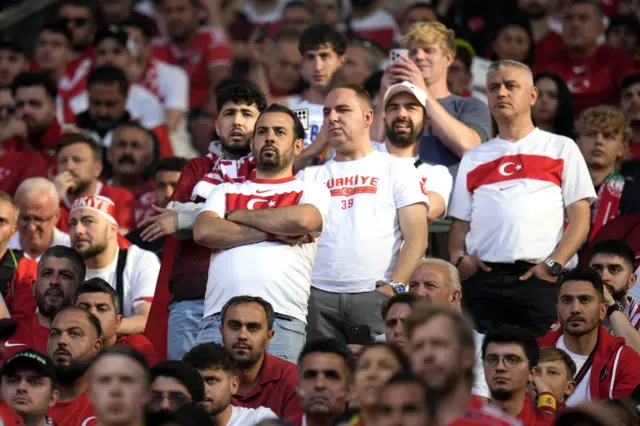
<point x="77" y="16"/>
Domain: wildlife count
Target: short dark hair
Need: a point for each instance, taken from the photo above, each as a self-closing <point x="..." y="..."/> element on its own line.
<point x="95" y="322"/>
<point x="595" y="3"/>
<point x="143" y="26"/>
<point x="628" y="21"/>
<point x="464" y="54"/>
<point x="321" y="35"/>
<point x="172" y="164"/>
<point x="584" y="274"/>
<point x="69" y="139"/>
<point x="77" y="3"/>
<point x="241" y="300"/>
<point x="360" y="92"/>
<point x="511" y="334"/>
<point x="109" y="75"/>
<point x="287" y="34"/>
<point x="240" y="92"/>
<point x="401" y="357"/>
<point x="211" y="356"/>
<point x="98" y="285"/>
<point x="35" y="78"/>
<point x="550" y="354"/>
<point x="155" y="144"/>
<point x="615" y="248"/>
<point x="64" y="252"/>
<point x="126" y="351"/>
<point x="298" y="128"/>
<point x="328" y="346"/>
<point x="407" y="377"/>
<point x="184" y="373"/>
<point x="58" y="27"/>
<point x="629" y="81"/>
<point x="406" y="298"/>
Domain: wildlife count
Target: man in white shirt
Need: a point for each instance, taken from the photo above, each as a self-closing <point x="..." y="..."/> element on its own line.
<point x="508" y="238"/>
<point x="377" y="225"/>
<point x="272" y="220"/>
<point x="218" y="369"/>
<point x="39" y="214"/>
<point x="133" y="272"/>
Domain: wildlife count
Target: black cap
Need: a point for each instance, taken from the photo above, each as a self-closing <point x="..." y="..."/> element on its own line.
<point x="184" y="373"/>
<point x="8" y="43"/>
<point x="30" y="359"/>
<point x="112" y="31"/>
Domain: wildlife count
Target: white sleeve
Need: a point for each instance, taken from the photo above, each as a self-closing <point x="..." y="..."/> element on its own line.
<point x="480" y="387"/>
<point x="318" y="195"/>
<point x="175" y="88"/>
<point x="79" y="103"/>
<point x="217" y="200"/>
<point x="436" y="178"/>
<point x="407" y="186"/>
<point x="146" y="270"/>
<point x="146" y="106"/>
<point x="576" y="181"/>
<point x="461" y="200"/>
<point x="265" y="413"/>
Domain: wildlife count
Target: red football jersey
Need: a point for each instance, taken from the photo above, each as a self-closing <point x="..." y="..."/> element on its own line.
<point x="142" y="345"/>
<point x="18" y="166"/>
<point x="77" y="412"/>
<point x="485" y="416"/>
<point x="9" y="416"/>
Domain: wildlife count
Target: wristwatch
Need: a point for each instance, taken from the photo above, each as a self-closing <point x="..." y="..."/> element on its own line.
<point x="555" y="268"/>
<point x="617" y="306"/>
<point x="397" y="286"/>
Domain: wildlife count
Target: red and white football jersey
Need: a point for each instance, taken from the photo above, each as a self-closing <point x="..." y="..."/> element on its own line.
<point x="279" y="273"/>
<point x="380" y="27"/>
<point x="515" y="195"/>
<point x="361" y="243"/>
<point x="167" y="82"/>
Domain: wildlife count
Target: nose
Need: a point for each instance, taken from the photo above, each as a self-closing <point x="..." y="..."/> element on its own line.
<point x="55" y="280"/>
<point x="317" y="63"/>
<point x="575" y="307"/>
<point x="63" y="340"/>
<point x="332" y="116"/>
<point x="22" y="386"/>
<point x="502" y="92"/>
<point x="320" y="382"/>
<point x="166" y="405"/>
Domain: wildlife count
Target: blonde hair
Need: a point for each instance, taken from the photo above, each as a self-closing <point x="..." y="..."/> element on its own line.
<point x="430" y="33"/>
<point x="604" y="119"/>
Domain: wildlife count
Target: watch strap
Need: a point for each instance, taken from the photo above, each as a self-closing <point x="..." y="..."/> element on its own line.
<point x="617" y="306"/>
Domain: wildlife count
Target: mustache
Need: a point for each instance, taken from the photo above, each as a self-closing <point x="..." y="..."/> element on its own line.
<point x="272" y="147"/>
<point x="576" y="318"/>
<point x="127" y="159"/>
<point x="61" y="351"/>
<point x="402" y="121"/>
<point x="55" y="291"/>
<point x="242" y="346"/>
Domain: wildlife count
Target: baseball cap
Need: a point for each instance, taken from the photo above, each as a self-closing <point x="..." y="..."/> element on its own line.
<point x="30" y="359"/>
<point x="407" y="87"/>
<point x="117" y="33"/>
<point x="8" y="43"/>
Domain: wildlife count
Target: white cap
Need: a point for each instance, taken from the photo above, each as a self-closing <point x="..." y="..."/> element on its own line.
<point x="405" y="86"/>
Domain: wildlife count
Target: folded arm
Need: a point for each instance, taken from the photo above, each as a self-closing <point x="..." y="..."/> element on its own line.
<point x="215" y="232"/>
<point x="290" y="220"/>
<point x="136" y="323"/>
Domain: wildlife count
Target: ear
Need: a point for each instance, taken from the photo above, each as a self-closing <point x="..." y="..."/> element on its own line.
<point x="98" y="169"/>
<point x="217" y="127"/>
<point x="533" y="95"/>
<point x="449" y="58"/>
<point x="56" y="218"/>
<point x="632" y="280"/>
<point x="270" y="335"/>
<point x="455" y="297"/>
<point x="603" y="311"/>
<point x="118" y="321"/>
<point x="235" y="385"/>
<point x="97" y="345"/>
<point x="55" y="395"/>
<point x="570" y="389"/>
<point x="298" y="145"/>
<point x="341" y="59"/>
<point x="368" y="118"/>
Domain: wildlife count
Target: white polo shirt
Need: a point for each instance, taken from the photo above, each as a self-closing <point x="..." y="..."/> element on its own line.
<point x="515" y="195"/>
<point x="277" y="272"/>
<point x="361" y="242"/>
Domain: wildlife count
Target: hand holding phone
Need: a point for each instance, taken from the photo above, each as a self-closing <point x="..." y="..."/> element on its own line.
<point x="395" y="54"/>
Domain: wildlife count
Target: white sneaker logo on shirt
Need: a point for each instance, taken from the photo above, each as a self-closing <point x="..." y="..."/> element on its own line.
<point x="8" y="344"/>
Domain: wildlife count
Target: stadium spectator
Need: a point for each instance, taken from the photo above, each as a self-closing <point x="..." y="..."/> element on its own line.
<point x="39" y="213"/>
<point x="119" y="386"/>
<point x="54" y="50"/>
<point x="362" y="182"/>
<point x="173" y="384"/>
<point x="247" y="327"/>
<point x="581" y="310"/>
<point x="553" y="110"/>
<point x="13" y="60"/>
<point x="592" y="71"/>
<point x="7" y="105"/>
<point x="501" y="261"/>
<point x="239" y="104"/>
<point x="325" y="381"/>
<point x="78" y="17"/>
<point x="368" y="19"/>
<point x="115" y="12"/>
<point x="131" y="271"/>
<point x="218" y="369"/>
<point x="60" y="272"/>
<point x="395" y="311"/>
<point x="28" y="386"/>
<point x="622" y="33"/>
<point x="630" y="105"/>
<point x="417" y="13"/>
<point x="406" y="400"/>
<point x="404" y="118"/>
<point x="273" y="219"/>
<point x="556" y="369"/>
<point x="204" y="53"/>
<point x="73" y="342"/>
<point x="132" y="158"/>
<point x="510" y="355"/>
<point x="98" y="297"/>
<point x="16" y="166"/>
<point x="514" y="40"/>
<point x="361" y="59"/>
<point x="459" y="75"/>
<point x="79" y="170"/>
<point x="546" y="39"/>
<point x="614" y="260"/>
<point x="457" y="124"/>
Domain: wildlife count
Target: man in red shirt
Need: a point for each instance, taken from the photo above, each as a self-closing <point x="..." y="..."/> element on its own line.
<point x="204" y="53"/>
<point x="80" y="167"/>
<point x="510" y="356"/>
<point x="547" y="41"/>
<point x="592" y="71"/>
<point x="98" y="297"/>
<point x="630" y="105"/>
<point x="77" y="16"/>
<point x="75" y="339"/>
<point x="13" y="60"/>
<point x="53" y="50"/>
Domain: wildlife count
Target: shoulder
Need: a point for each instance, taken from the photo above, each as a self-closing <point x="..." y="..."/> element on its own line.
<point x="141" y="96"/>
<point x="211" y="35"/>
<point x="139" y="255"/>
<point x="171" y="71"/>
<point x="116" y="194"/>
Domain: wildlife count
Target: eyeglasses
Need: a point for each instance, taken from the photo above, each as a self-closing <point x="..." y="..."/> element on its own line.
<point x="37" y="221"/>
<point x="175" y="400"/>
<point x="510" y="361"/>
<point x="77" y="22"/>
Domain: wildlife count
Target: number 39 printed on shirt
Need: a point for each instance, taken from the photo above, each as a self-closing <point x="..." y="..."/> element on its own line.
<point x="347" y="204"/>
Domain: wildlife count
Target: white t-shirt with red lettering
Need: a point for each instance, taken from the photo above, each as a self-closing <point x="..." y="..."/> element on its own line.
<point x="277" y="272"/>
<point x="514" y="194"/>
<point x="361" y="243"/>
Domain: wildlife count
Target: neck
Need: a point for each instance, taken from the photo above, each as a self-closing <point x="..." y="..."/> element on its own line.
<point x="265" y="5"/>
<point x="70" y="391"/>
<point x="34" y="421"/>
<point x="91" y="190"/>
<point x="515" y="129"/>
<point x="57" y="75"/>
<point x="367" y="415"/>
<point x="44" y="321"/>
<point x="582" y="52"/>
<point x="513" y="405"/>
<point x="361" y="151"/>
<point x="287" y="173"/>
<point x="132" y="183"/>
<point x="452" y="405"/>
<point x="438" y="89"/>
<point x="315" y="96"/>
<point x="185" y="42"/>
<point x="540" y="28"/>
<point x="599" y="175"/>
<point x="4" y="251"/>
<point x="136" y="422"/>
<point x="249" y="377"/>
<point x="547" y="126"/>
<point x="110" y="341"/>
<point x="223" y="418"/>
<point x="410" y="151"/>
<point x="582" y="345"/>
<point x="320" y="419"/>
<point x="103" y="259"/>
<point x="232" y="156"/>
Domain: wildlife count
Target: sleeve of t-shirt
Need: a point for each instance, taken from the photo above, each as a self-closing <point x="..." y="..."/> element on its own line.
<point x="437" y="179"/>
<point x="480" y="386"/>
<point x="627" y="378"/>
<point x="189" y="177"/>
<point x="264" y="413"/>
<point x="217" y="200"/>
<point x="576" y="181"/>
<point x="475" y="114"/>
<point x="176" y="89"/>
<point x="147" y="269"/>
<point x="219" y="49"/>
<point x="318" y="195"/>
<point x="153" y="113"/>
<point x="407" y="185"/>
<point x="461" y="200"/>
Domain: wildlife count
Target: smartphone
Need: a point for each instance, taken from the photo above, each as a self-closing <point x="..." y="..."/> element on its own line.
<point x="394" y="55"/>
<point x="303" y="116"/>
<point x="359" y="335"/>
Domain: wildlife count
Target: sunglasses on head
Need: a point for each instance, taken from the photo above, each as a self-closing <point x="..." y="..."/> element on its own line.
<point x="77" y="22"/>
